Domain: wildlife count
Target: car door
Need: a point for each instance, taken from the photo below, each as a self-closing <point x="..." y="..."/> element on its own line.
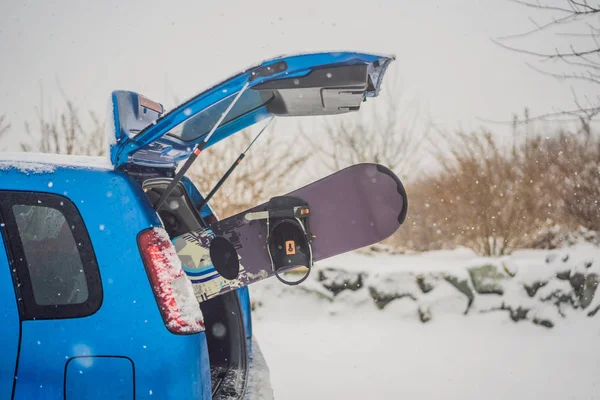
<point x="57" y="282"/>
<point x="300" y="85"/>
<point x="10" y="325"/>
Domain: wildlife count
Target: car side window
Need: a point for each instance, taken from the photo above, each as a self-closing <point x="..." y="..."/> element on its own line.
<point x="56" y="270"/>
<point x="53" y="261"/>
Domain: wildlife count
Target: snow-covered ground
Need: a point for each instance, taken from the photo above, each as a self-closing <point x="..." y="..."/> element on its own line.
<point x="348" y="346"/>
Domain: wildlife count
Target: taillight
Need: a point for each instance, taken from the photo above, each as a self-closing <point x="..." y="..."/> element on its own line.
<point x="173" y="290"/>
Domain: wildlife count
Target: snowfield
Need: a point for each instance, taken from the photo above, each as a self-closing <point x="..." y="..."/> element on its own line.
<point x="515" y="327"/>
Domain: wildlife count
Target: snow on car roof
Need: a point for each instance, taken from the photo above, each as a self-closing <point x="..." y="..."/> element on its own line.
<point x="39" y="163"/>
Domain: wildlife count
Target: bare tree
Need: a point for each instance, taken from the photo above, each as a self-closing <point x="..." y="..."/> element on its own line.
<point x="578" y="58"/>
<point x="268" y="170"/>
<point x="4" y="126"/>
<point x="392" y="135"/>
<point x="65" y="134"/>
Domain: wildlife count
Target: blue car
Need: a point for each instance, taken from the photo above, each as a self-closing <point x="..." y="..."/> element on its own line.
<point x="94" y="302"/>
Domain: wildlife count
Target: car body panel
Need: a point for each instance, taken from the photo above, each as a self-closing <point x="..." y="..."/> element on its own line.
<point x="10" y="326"/>
<point x="104" y="378"/>
<point x="128" y="323"/>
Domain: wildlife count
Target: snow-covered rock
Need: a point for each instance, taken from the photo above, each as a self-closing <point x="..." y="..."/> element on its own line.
<point x="541" y="286"/>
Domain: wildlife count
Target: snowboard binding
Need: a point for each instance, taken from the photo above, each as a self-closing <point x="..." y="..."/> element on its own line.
<point x="288" y="235"/>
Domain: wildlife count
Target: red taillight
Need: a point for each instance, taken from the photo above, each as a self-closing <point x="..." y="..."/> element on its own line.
<point x="173" y="291"/>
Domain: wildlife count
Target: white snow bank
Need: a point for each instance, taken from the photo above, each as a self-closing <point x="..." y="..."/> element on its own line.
<point x="45" y="163"/>
<point x="540" y="286"/>
<point x="322" y="345"/>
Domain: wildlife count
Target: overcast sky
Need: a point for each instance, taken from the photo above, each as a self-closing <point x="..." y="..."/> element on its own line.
<point x="168" y="50"/>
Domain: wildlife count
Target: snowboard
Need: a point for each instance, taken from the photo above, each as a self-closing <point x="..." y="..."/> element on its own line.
<point x="352" y="208"/>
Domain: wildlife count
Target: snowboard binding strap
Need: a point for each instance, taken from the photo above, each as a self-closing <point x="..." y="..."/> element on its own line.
<point x="288" y="235"/>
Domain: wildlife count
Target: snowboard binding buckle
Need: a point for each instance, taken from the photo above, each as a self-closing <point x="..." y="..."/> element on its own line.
<point x="288" y="235"/>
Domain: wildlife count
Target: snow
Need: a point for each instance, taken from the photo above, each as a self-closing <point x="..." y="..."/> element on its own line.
<point x="391" y="358"/>
<point x="39" y="163"/>
<point x="110" y="130"/>
<point x="325" y="346"/>
<point x="258" y="386"/>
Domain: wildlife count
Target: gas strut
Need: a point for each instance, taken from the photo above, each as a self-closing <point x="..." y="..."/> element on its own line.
<point x="196" y="152"/>
<point x="232" y="168"/>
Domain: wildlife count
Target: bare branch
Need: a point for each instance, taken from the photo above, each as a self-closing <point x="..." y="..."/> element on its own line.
<point x="4" y="126"/>
<point x="392" y="135"/>
<point x="587" y="64"/>
<point x="585" y="5"/>
<point x="589" y="78"/>
<point x="590" y="113"/>
<point x="538" y="27"/>
<point x="584" y="63"/>
<point x="257" y="179"/>
<point x="64" y="134"/>
<point x="541" y="6"/>
<point x="546" y="55"/>
<point x="587" y="35"/>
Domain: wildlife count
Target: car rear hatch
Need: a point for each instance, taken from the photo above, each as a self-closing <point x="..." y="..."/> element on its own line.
<point x="147" y="139"/>
<point x="300" y="85"/>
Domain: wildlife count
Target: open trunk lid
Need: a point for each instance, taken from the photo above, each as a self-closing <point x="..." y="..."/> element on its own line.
<point x="299" y="85"/>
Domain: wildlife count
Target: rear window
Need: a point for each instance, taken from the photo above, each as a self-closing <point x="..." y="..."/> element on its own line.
<point x="201" y="123"/>
<point x="55" y="267"/>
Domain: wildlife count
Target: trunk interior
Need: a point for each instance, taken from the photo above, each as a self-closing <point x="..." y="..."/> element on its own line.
<point x="223" y="317"/>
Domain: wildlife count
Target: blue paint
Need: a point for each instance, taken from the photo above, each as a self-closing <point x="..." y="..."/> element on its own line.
<point x="199" y="271"/>
<point x="100" y="378"/>
<point x="210" y="278"/>
<point x="128" y="323"/>
<point x="244" y="296"/>
<point x="166" y="150"/>
<point x="9" y="326"/>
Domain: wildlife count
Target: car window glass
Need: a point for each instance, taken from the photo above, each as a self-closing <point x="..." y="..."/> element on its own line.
<point x="52" y="255"/>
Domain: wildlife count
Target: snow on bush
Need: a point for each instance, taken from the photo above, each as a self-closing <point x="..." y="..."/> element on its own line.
<point x="540" y="286"/>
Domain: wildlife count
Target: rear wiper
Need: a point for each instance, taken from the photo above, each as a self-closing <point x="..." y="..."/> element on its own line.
<point x="196" y="152"/>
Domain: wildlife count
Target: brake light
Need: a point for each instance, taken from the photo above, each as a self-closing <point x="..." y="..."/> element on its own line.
<point x="173" y="290"/>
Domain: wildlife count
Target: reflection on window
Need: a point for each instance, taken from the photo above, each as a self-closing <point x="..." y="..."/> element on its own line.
<point x="201" y="123"/>
<point x="52" y="257"/>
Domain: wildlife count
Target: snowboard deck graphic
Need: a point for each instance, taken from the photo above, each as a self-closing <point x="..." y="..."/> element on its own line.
<point x="352" y="208"/>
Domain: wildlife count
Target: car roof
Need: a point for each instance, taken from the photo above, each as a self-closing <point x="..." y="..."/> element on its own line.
<point x="39" y="163"/>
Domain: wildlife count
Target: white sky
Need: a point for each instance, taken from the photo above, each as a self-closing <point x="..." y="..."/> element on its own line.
<point x="172" y="50"/>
